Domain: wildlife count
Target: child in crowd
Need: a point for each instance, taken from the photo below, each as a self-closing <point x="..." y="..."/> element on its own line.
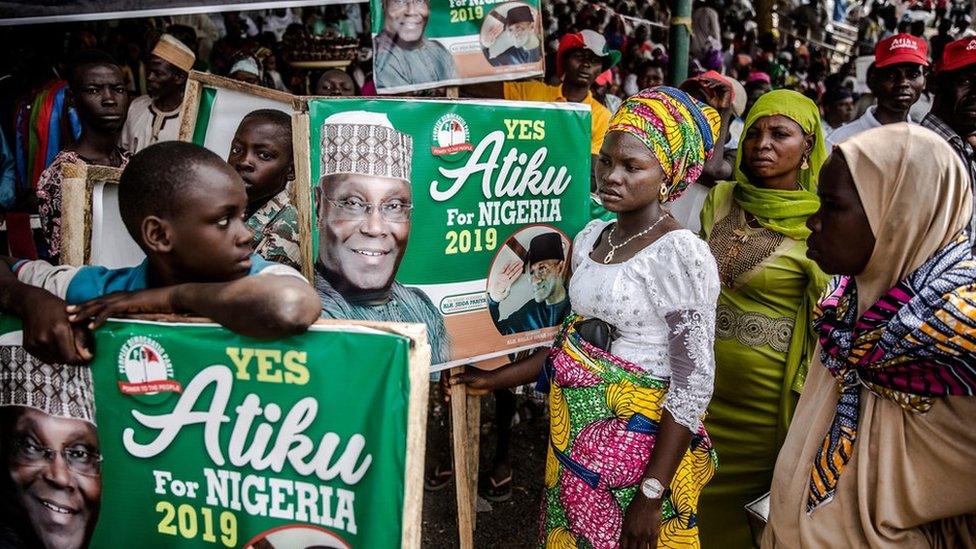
<point x="186" y="209"/>
<point x="261" y="152"/>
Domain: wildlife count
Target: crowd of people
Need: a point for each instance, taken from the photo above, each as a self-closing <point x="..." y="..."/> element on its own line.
<point x="774" y="294"/>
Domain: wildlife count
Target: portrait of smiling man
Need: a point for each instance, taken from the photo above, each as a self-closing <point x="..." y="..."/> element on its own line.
<point x="364" y="217"/>
<point x="403" y="55"/>
<point x="51" y="485"/>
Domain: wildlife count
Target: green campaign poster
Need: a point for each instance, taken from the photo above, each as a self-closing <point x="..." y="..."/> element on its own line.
<point x="498" y="190"/>
<point x="210" y="439"/>
<point x="421" y="44"/>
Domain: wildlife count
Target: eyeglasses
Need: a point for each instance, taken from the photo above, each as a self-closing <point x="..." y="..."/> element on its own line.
<point x="353" y="209"/>
<point x="541" y="271"/>
<point x="79" y="460"/>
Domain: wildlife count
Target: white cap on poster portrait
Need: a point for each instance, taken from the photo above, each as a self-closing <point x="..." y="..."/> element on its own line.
<point x="365" y="143"/>
<point x="57" y="390"/>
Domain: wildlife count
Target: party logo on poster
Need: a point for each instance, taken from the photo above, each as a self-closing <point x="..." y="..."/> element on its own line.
<point x="452" y="137"/>
<point x="145" y="368"/>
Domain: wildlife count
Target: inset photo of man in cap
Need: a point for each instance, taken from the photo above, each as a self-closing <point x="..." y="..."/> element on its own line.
<point x="509" y="36"/>
<point x="520" y="303"/>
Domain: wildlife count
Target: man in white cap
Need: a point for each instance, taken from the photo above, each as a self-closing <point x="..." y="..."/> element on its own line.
<point x="364" y="203"/>
<point x="156" y="117"/>
<point x="246" y="70"/>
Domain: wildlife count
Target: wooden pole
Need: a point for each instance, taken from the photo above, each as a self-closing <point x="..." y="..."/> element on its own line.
<point x="472" y="446"/>
<point x="465" y="498"/>
<point x="465" y="431"/>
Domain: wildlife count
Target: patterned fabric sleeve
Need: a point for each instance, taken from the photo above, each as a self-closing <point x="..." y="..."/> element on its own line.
<point x="49" y="202"/>
<point x="687" y="288"/>
<point x="279" y="242"/>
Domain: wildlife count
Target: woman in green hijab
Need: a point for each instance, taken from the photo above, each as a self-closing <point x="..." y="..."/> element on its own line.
<point x="756" y="228"/>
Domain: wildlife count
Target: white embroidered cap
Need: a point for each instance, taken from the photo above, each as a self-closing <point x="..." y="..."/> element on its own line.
<point x="365" y="143"/>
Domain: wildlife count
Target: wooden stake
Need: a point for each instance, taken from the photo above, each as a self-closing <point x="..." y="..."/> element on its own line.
<point x="466" y="433"/>
<point x="466" y="500"/>
<point x="472" y="452"/>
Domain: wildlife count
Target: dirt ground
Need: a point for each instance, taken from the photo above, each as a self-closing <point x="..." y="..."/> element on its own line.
<point x="514" y="523"/>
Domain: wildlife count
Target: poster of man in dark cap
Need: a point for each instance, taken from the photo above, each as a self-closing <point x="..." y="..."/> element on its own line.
<point x="514" y="40"/>
<point x="544" y="261"/>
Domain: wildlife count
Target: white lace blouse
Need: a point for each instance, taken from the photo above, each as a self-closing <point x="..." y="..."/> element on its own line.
<point x="662" y="302"/>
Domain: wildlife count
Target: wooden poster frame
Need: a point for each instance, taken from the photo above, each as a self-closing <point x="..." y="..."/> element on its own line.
<point x="300" y="191"/>
<point x="77" y="187"/>
<point x="419" y="356"/>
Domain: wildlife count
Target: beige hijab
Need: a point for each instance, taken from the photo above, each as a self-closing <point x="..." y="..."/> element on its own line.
<point x="916" y="194"/>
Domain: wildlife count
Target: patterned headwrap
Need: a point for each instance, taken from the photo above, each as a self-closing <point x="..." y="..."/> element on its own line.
<point x="679" y="130"/>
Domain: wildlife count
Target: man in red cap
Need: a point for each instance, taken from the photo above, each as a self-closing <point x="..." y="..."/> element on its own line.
<point x="581" y="58"/>
<point x="953" y="114"/>
<point x="896" y="78"/>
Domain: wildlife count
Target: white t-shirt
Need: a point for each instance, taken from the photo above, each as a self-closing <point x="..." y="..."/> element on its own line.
<point x="866" y="122"/>
<point x="687" y="208"/>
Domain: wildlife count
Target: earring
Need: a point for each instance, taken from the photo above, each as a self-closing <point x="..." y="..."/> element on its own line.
<point x="805" y="165"/>
<point x="662" y="195"/>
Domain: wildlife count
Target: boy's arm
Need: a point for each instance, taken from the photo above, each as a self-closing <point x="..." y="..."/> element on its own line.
<point x="48" y="333"/>
<point x="261" y="306"/>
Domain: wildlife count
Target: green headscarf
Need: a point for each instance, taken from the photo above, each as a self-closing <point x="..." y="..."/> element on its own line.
<point x="785" y="212"/>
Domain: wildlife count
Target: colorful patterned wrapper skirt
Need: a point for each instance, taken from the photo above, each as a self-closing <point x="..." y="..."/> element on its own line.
<point x="604" y="417"/>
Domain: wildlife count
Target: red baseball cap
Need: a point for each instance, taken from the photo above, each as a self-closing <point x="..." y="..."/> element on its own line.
<point x="901" y="48"/>
<point x="958" y="54"/>
<point x="589" y="40"/>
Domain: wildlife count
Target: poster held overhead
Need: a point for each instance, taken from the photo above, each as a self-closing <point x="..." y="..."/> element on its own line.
<point x="423" y="44"/>
<point x="32" y="12"/>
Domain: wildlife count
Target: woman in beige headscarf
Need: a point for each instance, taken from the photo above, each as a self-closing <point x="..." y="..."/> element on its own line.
<point x="881" y="452"/>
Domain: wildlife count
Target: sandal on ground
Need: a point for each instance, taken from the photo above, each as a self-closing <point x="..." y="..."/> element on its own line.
<point x="497" y="492"/>
<point x="438" y="480"/>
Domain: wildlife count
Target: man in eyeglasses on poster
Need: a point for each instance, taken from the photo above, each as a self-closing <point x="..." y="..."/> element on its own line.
<point x="51" y="485"/>
<point x="403" y="55"/>
<point x="364" y="205"/>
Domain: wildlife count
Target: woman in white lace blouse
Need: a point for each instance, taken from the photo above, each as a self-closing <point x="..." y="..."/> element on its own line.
<point x="628" y="454"/>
